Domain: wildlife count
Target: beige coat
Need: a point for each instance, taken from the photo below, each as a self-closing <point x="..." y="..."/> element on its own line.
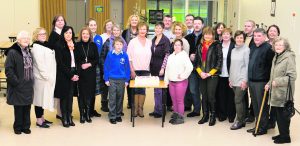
<point x="44" y="73"/>
<point x="283" y="67"/>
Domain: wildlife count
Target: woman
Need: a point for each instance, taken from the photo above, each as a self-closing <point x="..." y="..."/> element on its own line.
<point x="225" y="96"/>
<point x="92" y="25"/>
<point x="218" y="31"/>
<point x="160" y="51"/>
<point x="139" y="52"/>
<point x="107" y="30"/>
<point x="19" y="77"/>
<point x="209" y="59"/>
<point x="128" y="34"/>
<point x="179" y="30"/>
<point x="108" y="46"/>
<point x="238" y="77"/>
<point x="272" y="33"/>
<point x="178" y="69"/>
<point x="44" y="73"/>
<point x="66" y="74"/>
<point x="86" y="56"/>
<point x="283" y="74"/>
<point x="55" y="36"/>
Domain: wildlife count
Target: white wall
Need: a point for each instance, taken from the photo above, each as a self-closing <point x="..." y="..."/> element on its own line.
<point x="116" y="11"/>
<point x="259" y="11"/>
<point x="17" y="15"/>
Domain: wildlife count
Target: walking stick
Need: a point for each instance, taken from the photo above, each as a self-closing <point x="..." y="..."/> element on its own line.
<point x="260" y="112"/>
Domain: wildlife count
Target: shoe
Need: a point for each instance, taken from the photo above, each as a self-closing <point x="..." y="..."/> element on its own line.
<point x="249" y="119"/>
<point x="122" y="114"/>
<point x="113" y="121"/>
<point x="169" y="108"/>
<point x="43" y="125"/>
<point x="174" y="115"/>
<point x="221" y="119"/>
<point x="260" y="132"/>
<point x="128" y="106"/>
<point x="26" y="131"/>
<point x="152" y="114"/>
<point x="58" y="117"/>
<point x="237" y="125"/>
<point x="212" y="119"/>
<point x="251" y="130"/>
<point x="178" y="120"/>
<point x="94" y="113"/>
<point x="119" y="119"/>
<point x="157" y="115"/>
<point x="65" y="122"/>
<point x="193" y="114"/>
<point x="18" y="132"/>
<point x="282" y="140"/>
<point x="70" y="121"/>
<point x="204" y="119"/>
<point x="275" y="137"/>
<point x="231" y="120"/>
<point x="187" y="109"/>
<point x="87" y="115"/>
<point x="48" y="122"/>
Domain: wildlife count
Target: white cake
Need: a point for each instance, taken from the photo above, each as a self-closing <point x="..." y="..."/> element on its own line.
<point x="146" y="81"/>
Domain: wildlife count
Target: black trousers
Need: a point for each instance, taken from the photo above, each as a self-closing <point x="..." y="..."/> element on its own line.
<point x="208" y="88"/>
<point x="39" y="111"/>
<point x="225" y="106"/>
<point x="22" y="117"/>
<point x="104" y="96"/>
<point x="129" y="95"/>
<point x="66" y="103"/>
<point x="283" y="122"/>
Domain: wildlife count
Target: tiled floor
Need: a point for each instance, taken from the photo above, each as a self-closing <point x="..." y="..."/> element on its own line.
<point x="148" y="132"/>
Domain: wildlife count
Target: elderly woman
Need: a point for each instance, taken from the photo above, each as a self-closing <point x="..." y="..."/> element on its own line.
<point x="139" y="52"/>
<point x="160" y="51"/>
<point x="107" y="29"/>
<point x="282" y="84"/>
<point x="92" y="25"/>
<point x="18" y="70"/>
<point x="108" y="46"/>
<point x="44" y="73"/>
<point x="209" y="59"/>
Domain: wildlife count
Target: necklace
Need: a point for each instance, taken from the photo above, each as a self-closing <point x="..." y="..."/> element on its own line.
<point x="86" y="54"/>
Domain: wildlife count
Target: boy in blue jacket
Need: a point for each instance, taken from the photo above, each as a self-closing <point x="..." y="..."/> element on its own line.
<point x="116" y="76"/>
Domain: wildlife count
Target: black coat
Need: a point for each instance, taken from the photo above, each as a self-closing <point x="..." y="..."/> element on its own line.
<point x="161" y="50"/>
<point x="63" y="70"/>
<point x="87" y="77"/>
<point x="19" y="91"/>
<point x="214" y="59"/>
<point x="191" y="38"/>
<point x="228" y="61"/>
<point x="54" y="38"/>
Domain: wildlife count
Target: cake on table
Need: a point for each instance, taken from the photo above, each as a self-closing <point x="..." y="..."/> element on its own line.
<point x="146" y="81"/>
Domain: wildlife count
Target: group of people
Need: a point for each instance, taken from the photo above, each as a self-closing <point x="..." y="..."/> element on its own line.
<point x="206" y="69"/>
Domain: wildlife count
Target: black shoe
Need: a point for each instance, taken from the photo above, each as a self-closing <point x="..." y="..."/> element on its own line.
<point x="48" y="122"/>
<point x="58" y="117"/>
<point x="187" y="109"/>
<point x="122" y="114"/>
<point x="70" y="121"/>
<point x="88" y="115"/>
<point x="18" y="132"/>
<point x="204" y="119"/>
<point x="169" y="108"/>
<point x="157" y="115"/>
<point x="221" y="119"/>
<point x="275" y="137"/>
<point x="193" y="114"/>
<point x="119" y="119"/>
<point x="65" y="122"/>
<point x="152" y="114"/>
<point x="26" y="131"/>
<point x="260" y="132"/>
<point x="94" y="113"/>
<point x="250" y="119"/>
<point x="231" y="120"/>
<point x="282" y="140"/>
<point x="212" y="119"/>
<point x="113" y="121"/>
<point x="237" y="125"/>
<point x="43" y="125"/>
<point x="251" y="130"/>
<point x="104" y="109"/>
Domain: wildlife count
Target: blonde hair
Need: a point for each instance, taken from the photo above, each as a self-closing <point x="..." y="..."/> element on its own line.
<point x="129" y="20"/>
<point x="253" y="23"/>
<point x="227" y="30"/>
<point x="181" y="25"/>
<point x="36" y="33"/>
<point x="90" y="32"/>
<point x="105" y="22"/>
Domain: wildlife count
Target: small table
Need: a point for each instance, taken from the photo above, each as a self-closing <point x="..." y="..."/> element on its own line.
<point x="161" y="85"/>
<point x="4" y="46"/>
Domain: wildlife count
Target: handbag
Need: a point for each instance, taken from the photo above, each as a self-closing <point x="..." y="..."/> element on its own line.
<point x="289" y="109"/>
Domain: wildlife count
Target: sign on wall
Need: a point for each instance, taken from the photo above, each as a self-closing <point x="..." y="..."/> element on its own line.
<point x="99" y="9"/>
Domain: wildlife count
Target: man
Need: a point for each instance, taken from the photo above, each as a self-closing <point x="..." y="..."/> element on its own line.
<point x="193" y="88"/>
<point x="168" y="25"/>
<point x="249" y="27"/>
<point x="259" y="69"/>
<point x="189" y="19"/>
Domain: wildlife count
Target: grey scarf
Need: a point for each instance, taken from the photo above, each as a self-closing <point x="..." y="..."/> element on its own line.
<point x="27" y="60"/>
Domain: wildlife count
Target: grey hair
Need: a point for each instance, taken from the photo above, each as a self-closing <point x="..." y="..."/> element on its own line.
<point x="260" y="30"/>
<point x="285" y="43"/>
<point x="23" y="34"/>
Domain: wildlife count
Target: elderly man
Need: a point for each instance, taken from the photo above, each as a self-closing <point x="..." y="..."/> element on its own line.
<point x="259" y="68"/>
<point x="18" y="70"/>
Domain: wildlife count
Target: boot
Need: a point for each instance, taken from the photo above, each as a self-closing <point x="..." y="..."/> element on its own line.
<point x="64" y="120"/>
<point x="141" y="105"/>
<point x="136" y="101"/>
<point x="204" y="119"/>
<point x="70" y="120"/>
<point x="178" y="120"/>
<point x="82" y="118"/>
<point x="212" y="119"/>
<point x="104" y="106"/>
<point x="87" y="115"/>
